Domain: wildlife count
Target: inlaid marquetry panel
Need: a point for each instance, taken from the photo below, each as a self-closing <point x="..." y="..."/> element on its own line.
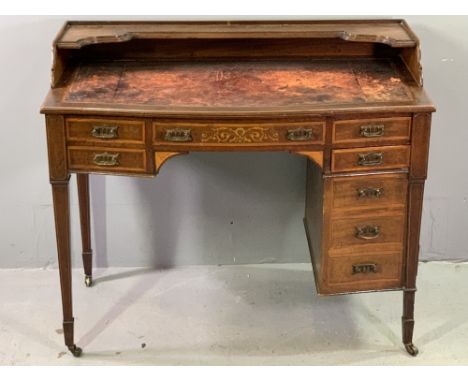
<point x="186" y="135"/>
<point x="240" y="135"/>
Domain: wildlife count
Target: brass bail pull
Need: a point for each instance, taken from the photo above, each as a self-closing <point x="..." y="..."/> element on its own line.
<point x="178" y="135"/>
<point x="106" y="159"/>
<point x="369" y="192"/>
<point x="368" y="232"/>
<point x="300" y="134"/>
<point x="372" y="131"/>
<point x="370" y="159"/>
<point x="105" y="132"/>
<point x="364" y="268"/>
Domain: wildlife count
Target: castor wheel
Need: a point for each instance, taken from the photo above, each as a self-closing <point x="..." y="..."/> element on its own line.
<point x="75" y="350"/>
<point x="88" y="281"/>
<point x="412" y="349"/>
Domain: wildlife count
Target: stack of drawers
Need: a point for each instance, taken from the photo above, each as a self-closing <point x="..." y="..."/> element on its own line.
<point x="364" y="207"/>
<point x="107" y="145"/>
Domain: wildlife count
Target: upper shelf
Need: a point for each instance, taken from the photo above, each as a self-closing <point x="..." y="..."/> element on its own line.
<point x="394" y="33"/>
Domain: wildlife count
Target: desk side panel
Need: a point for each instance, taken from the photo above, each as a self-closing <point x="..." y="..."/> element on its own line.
<point x="313" y="220"/>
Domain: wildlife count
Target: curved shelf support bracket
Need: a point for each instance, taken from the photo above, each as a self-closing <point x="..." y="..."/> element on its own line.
<point x="315" y="156"/>
<point x="162" y="156"/>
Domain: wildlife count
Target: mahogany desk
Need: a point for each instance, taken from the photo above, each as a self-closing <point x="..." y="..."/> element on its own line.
<point x="127" y="96"/>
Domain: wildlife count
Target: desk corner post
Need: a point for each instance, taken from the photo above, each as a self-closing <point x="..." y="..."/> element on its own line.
<point x="418" y="173"/>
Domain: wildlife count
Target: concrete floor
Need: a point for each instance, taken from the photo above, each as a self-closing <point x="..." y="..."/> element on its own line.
<point x="229" y="315"/>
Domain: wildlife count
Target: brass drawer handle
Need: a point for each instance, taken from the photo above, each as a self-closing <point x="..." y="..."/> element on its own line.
<point x="300" y="134"/>
<point x="370" y="159"/>
<point x="372" y="131"/>
<point x="364" y="268"/>
<point x="178" y="135"/>
<point x="105" y="132"/>
<point x="369" y="192"/>
<point x="106" y="159"/>
<point x="368" y="232"/>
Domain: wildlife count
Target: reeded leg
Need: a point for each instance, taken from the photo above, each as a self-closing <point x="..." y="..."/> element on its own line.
<point x="407" y="322"/>
<point x="62" y="229"/>
<point x="83" y="201"/>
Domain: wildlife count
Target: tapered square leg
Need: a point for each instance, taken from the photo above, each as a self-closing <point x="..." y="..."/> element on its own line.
<point x="420" y="132"/>
<point x="414" y="224"/>
<point x="85" y="220"/>
<point x="416" y="190"/>
<point x="62" y="228"/>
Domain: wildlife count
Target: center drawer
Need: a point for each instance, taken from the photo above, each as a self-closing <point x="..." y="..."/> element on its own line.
<point x="193" y="135"/>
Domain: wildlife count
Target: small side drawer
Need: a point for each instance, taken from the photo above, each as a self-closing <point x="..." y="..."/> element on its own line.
<point x="366" y="231"/>
<point x="106" y="131"/>
<point x="370" y="159"/>
<point x="108" y="160"/>
<point x="368" y="191"/>
<point x="234" y="135"/>
<point x="367" y="131"/>
<point x="365" y="272"/>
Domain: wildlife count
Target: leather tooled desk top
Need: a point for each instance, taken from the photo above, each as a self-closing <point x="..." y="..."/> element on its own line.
<point x="239" y="84"/>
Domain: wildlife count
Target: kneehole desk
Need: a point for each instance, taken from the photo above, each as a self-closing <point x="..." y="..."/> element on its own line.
<point x="127" y="96"/>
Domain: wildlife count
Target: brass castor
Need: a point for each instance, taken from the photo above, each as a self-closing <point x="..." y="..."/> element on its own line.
<point x="88" y="280"/>
<point x="412" y="349"/>
<point x="75" y="350"/>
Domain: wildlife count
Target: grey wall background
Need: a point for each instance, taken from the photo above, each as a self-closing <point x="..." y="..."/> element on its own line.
<point x="208" y="208"/>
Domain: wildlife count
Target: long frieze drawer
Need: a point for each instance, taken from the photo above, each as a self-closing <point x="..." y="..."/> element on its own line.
<point x="364" y="272"/>
<point x="107" y="131"/>
<point x="107" y="160"/>
<point x="366" y="231"/>
<point x="369" y="159"/>
<point x="368" y="191"/>
<point x="225" y="134"/>
<point x="366" y="131"/>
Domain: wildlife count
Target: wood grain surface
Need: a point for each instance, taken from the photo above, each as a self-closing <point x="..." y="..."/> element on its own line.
<point x="238" y="84"/>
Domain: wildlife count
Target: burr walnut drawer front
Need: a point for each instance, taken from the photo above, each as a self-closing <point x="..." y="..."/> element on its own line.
<point x="105" y="131"/>
<point x="372" y="131"/>
<point x="368" y="191"/>
<point x="108" y="160"/>
<point x="229" y="134"/>
<point x="382" y="270"/>
<point x="370" y="159"/>
<point x="366" y="231"/>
